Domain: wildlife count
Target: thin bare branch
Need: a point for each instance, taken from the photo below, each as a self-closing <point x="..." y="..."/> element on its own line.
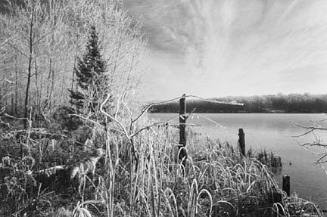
<point x="113" y="118"/>
<point x="315" y="144"/>
<point x="149" y="127"/>
<point x="95" y="123"/>
<point x="310" y="129"/>
<point x="187" y="96"/>
<point x="303" y="134"/>
<point x="321" y="158"/>
<point x="151" y="105"/>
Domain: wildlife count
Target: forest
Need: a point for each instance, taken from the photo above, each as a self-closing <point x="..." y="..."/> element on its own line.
<point x="292" y="103"/>
<point x="40" y="44"/>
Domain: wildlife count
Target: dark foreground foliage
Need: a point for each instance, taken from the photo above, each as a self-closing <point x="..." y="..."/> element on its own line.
<point x="90" y="171"/>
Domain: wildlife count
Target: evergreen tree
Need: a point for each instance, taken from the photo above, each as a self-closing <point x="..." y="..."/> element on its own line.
<point x="92" y="82"/>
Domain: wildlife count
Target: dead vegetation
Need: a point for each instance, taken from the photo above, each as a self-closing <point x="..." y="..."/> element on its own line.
<point x="103" y="177"/>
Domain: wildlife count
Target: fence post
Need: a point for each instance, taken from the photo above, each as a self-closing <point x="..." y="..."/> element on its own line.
<point x="241" y="141"/>
<point x="182" y="121"/>
<point x="287" y="185"/>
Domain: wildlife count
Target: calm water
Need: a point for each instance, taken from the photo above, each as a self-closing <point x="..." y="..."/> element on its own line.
<point x="273" y="132"/>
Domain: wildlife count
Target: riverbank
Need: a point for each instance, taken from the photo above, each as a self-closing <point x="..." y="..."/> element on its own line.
<point x="275" y="133"/>
<point x="143" y="182"/>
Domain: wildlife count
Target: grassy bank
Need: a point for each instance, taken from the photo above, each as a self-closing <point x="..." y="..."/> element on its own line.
<point x="94" y="171"/>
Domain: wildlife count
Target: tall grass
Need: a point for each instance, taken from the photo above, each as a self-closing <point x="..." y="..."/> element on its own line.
<point x="216" y="181"/>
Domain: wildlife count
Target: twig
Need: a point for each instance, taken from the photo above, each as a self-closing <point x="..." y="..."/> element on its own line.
<point x="148" y="127"/>
<point x="310" y="129"/>
<point x="216" y="101"/>
<point x="12" y="117"/>
<point x="112" y="118"/>
<point x="315" y="144"/>
<point x="94" y="122"/>
<point x="186" y="96"/>
<point x="304" y="134"/>
<point x="153" y="104"/>
<point x="322" y="157"/>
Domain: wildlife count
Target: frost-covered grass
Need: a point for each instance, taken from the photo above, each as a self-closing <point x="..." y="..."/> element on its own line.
<point x="216" y="179"/>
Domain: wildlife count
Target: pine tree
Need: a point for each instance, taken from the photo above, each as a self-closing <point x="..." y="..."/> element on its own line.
<point x="91" y="79"/>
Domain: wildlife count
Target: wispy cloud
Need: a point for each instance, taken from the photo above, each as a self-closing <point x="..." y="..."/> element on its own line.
<point x="234" y="47"/>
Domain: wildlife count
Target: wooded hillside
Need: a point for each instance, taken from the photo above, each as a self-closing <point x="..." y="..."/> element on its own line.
<point x="293" y="103"/>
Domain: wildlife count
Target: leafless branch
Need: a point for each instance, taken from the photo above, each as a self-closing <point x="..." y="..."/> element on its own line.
<point x="216" y="101"/>
<point x="187" y="96"/>
<point x="95" y="123"/>
<point x="12" y="117"/>
<point x="113" y="118"/>
<point x="303" y="134"/>
<point x="151" y="105"/>
<point x="149" y="127"/>
<point x="313" y="128"/>
<point x="309" y="129"/>
<point x="321" y="158"/>
<point x="315" y="144"/>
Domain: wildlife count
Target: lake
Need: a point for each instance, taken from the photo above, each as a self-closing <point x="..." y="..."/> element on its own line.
<point x="272" y="132"/>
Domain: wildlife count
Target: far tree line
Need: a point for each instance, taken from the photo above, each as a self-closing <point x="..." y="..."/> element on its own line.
<point x="292" y="103"/>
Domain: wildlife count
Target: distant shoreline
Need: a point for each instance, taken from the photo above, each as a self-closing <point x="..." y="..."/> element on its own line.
<point x="293" y="103"/>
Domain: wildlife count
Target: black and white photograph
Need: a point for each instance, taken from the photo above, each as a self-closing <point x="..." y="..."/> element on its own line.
<point x="163" y="108"/>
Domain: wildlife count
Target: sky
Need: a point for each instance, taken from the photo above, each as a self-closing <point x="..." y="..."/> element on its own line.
<point x="214" y="48"/>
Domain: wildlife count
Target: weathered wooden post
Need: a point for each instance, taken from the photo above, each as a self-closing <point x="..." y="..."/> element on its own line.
<point x="182" y="120"/>
<point x="287" y="185"/>
<point x="182" y="125"/>
<point x="241" y="141"/>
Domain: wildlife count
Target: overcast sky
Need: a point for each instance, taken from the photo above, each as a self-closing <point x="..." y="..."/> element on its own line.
<point x="233" y="47"/>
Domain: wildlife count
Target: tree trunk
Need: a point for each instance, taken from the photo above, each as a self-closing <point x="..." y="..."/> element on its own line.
<point x="52" y="85"/>
<point x="16" y="86"/>
<point x="29" y="71"/>
<point x="38" y="91"/>
<point x="73" y="80"/>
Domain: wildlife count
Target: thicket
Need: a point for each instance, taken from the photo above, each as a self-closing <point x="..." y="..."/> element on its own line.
<point x="41" y="43"/>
